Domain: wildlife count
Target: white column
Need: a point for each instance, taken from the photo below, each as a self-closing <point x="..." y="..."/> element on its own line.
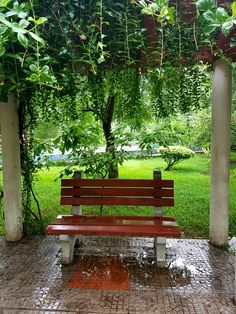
<point x="220" y="152"/>
<point x="11" y="170"/>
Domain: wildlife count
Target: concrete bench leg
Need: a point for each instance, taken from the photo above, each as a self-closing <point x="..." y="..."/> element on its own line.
<point x="67" y="247"/>
<point x="160" y="251"/>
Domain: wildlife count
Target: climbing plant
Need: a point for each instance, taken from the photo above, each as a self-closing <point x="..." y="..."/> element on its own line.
<point x="21" y="67"/>
<point x="214" y="18"/>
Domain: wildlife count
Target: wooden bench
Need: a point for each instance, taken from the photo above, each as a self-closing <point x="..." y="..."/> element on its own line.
<point x="136" y="192"/>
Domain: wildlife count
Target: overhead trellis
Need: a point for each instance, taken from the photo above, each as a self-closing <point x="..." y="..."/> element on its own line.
<point x="115" y="34"/>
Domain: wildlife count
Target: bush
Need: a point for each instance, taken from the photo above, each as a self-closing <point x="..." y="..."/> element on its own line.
<point x="174" y="154"/>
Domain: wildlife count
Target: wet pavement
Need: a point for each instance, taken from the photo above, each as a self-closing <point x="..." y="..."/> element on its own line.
<point x="115" y="275"/>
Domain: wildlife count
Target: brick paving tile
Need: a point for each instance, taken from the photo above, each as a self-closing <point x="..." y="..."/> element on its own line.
<point x="198" y="278"/>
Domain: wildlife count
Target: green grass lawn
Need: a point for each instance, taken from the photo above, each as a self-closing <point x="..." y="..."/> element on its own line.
<point x="192" y="193"/>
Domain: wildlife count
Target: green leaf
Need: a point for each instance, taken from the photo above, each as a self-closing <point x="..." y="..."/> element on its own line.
<point x="4" y="3"/>
<point x="100" y="45"/>
<point x="10" y="13"/>
<point x="32" y="20"/>
<point x="209" y="28"/>
<point x="101" y="59"/>
<point x="33" y="68"/>
<point x="164" y="12"/>
<point x="22" y="15"/>
<point x="3" y="29"/>
<point x="47" y="78"/>
<point x="221" y="15"/>
<point x="147" y="10"/>
<point x="154" y="7"/>
<point x="234" y="8"/>
<point x="45" y="69"/>
<point x="17" y="29"/>
<point x="233" y="42"/>
<point x="23" y="23"/>
<point x="41" y="20"/>
<point x="171" y="15"/>
<point x="36" y="37"/>
<point x="22" y="39"/>
<point x="210" y="16"/>
<point x="4" y="21"/>
<point x="205" y="5"/>
<point x="34" y="77"/>
<point x="2" y="50"/>
<point x="226" y="27"/>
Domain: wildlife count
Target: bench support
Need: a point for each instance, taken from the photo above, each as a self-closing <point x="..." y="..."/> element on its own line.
<point x="67" y="248"/>
<point x="160" y="251"/>
<point x="68" y="241"/>
<point x="160" y="242"/>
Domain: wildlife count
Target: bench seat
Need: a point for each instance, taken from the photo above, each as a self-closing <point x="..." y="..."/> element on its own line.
<point x="140" y="226"/>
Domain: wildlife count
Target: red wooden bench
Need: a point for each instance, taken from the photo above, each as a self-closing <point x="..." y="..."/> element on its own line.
<point x="136" y="192"/>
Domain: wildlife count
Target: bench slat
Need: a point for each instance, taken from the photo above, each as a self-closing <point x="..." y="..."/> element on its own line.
<point x="117" y="201"/>
<point x="117" y="182"/>
<point x="110" y="225"/>
<point x="117" y="192"/>
<point x="115" y="220"/>
<point x="108" y="218"/>
<point x="140" y="231"/>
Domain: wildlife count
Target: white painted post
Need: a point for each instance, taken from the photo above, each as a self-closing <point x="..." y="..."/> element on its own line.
<point x="9" y="123"/>
<point x="220" y="152"/>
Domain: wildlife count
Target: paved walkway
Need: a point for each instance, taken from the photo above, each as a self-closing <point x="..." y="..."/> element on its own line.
<point x="198" y="279"/>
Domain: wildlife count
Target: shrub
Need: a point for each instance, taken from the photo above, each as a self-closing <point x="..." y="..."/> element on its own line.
<point x="174" y="154"/>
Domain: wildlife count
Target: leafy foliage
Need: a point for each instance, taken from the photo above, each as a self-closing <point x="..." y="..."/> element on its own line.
<point x="158" y="8"/>
<point x="162" y="134"/>
<point x="174" y="154"/>
<point x="20" y="45"/>
<point x="214" y="17"/>
<point x="93" y="34"/>
<point x="175" y="90"/>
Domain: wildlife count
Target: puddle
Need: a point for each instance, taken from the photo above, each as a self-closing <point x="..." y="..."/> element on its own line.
<point x="105" y="273"/>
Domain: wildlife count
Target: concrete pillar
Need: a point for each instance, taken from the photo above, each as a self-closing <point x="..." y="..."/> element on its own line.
<point x="220" y="152"/>
<point x="11" y="170"/>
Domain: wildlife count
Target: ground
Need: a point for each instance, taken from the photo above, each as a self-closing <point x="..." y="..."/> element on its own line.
<point x="115" y="275"/>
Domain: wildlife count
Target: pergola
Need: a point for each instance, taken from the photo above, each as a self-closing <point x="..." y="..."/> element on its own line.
<point x="220" y="147"/>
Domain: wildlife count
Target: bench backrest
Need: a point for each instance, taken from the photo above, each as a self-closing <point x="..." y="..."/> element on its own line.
<point x="117" y="192"/>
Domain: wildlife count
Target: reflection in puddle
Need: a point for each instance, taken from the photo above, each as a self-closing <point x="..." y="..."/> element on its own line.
<point x="106" y="273"/>
<point x="180" y="265"/>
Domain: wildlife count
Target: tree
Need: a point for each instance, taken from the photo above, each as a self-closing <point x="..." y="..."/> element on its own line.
<point x="108" y="101"/>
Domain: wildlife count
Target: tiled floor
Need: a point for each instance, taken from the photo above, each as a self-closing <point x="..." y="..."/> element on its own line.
<point x="198" y="278"/>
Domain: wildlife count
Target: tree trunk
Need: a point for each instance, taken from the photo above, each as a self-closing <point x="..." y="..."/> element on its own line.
<point x="112" y="167"/>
